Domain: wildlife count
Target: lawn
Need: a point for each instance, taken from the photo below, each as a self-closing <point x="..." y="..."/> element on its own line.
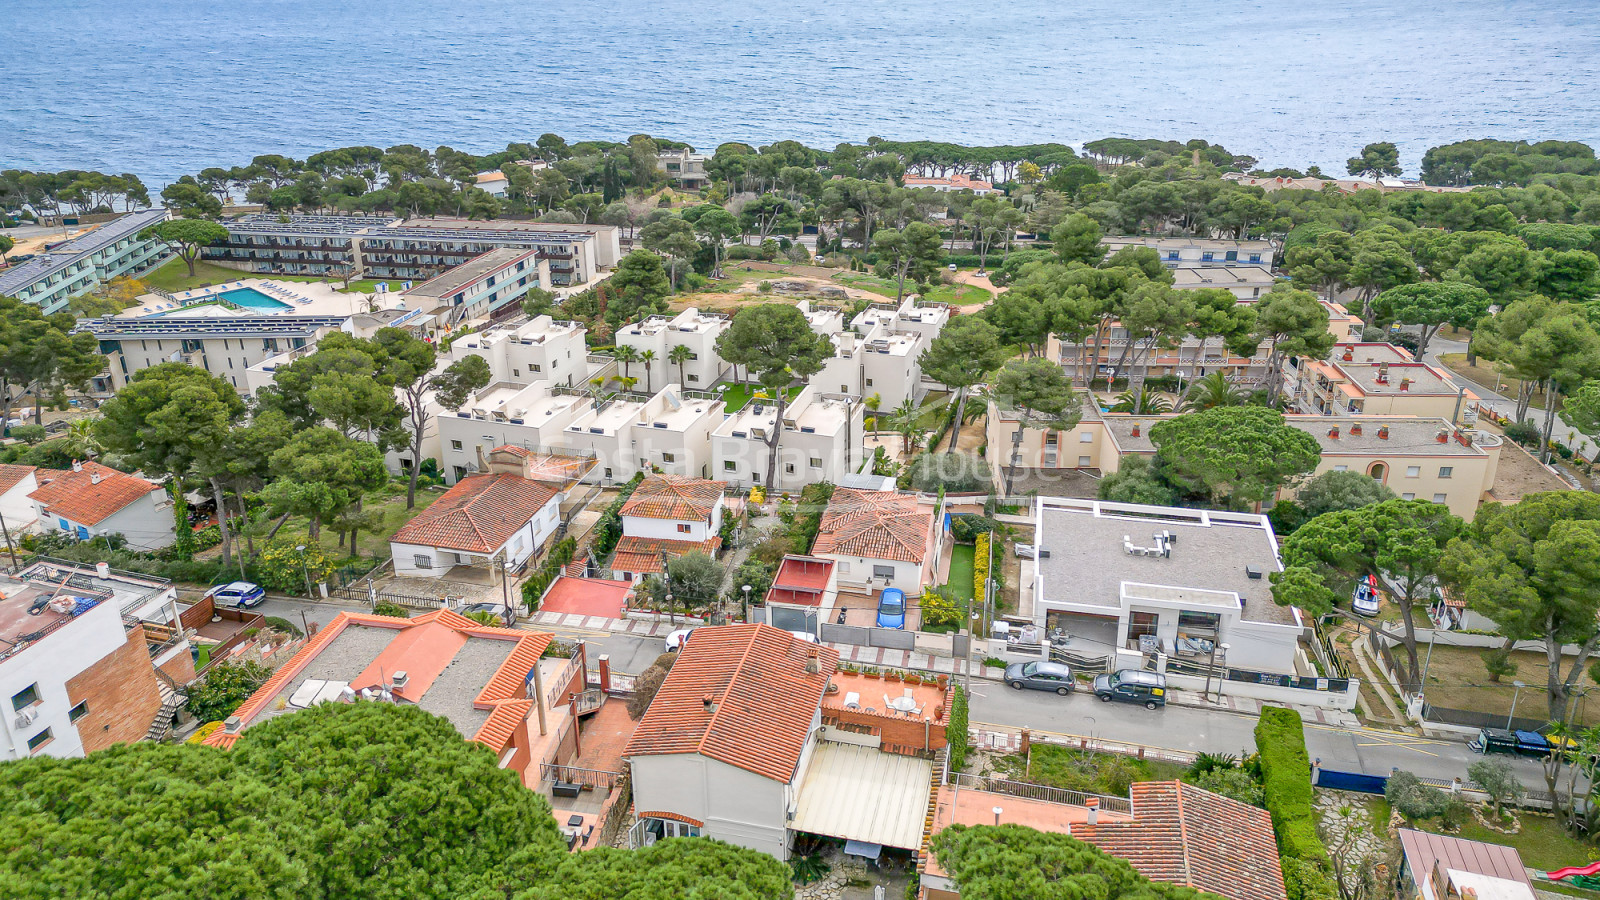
<point x="1542" y="844"/>
<point x="174" y="276"/>
<point x="932" y="412"/>
<point x="389" y="501"/>
<point x="735" y="396"/>
<point x="873" y="283"/>
<point x="1087" y="771"/>
<point x="958" y="294"/>
<point x="1457" y="679"/>
<point x="961" y="571"/>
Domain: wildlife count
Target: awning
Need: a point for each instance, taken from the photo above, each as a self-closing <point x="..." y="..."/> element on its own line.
<point x="865" y="796"/>
<point x="863" y="849"/>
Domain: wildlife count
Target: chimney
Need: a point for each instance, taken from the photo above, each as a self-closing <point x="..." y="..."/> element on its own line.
<point x="1334" y="432"/>
<point x="1093" y="803"/>
<point x="77" y="466"/>
<point x="1383" y="432"/>
<point x="1443" y="436"/>
<point x="1355" y="429"/>
<point x="231" y="725"/>
<point x="400" y="679"/>
<point x="1349" y="354"/>
<point x="813" y="664"/>
<point x="483" y="464"/>
<point x="1383" y="373"/>
<point x="710" y="704"/>
<point x="94" y="477"/>
<point x="1136" y="429"/>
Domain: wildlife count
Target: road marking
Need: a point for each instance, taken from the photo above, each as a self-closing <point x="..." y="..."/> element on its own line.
<point x="1379" y="738"/>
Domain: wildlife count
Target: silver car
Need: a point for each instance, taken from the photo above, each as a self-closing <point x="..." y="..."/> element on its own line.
<point x="1040" y="676"/>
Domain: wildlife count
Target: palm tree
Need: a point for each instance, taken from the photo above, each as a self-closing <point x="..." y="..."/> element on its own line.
<point x="627" y="356"/>
<point x="1146" y="401"/>
<point x="679" y="355"/>
<point x="80" y="440"/>
<point x="1211" y="391"/>
<point x="872" y="403"/>
<point x="648" y="357"/>
<point x="627" y="382"/>
<point x="904" y="419"/>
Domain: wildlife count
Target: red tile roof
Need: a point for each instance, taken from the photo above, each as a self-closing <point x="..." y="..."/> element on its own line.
<point x="422" y="647"/>
<point x="478" y="515"/>
<point x="801" y="581"/>
<point x="763" y="700"/>
<point x="674" y="497"/>
<point x="1181" y="834"/>
<point x="555" y="468"/>
<point x="11" y="476"/>
<point x="643" y="555"/>
<point x="874" y="525"/>
<point x="89" y="494"/>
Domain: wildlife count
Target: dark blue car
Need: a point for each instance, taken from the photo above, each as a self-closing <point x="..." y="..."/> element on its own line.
<point x="892" y="608"/>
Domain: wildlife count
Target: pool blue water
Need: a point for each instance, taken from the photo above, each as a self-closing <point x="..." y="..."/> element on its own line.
<point x="252" y="298"/>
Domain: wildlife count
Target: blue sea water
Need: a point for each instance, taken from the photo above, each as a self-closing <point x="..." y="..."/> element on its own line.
<point x="169" y="87"/>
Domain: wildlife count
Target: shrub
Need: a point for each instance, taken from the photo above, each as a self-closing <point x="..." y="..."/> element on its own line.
<point x="391" y="609"/>
<point x="955" y="730"/>
<point x="966" y="527"/>
<point x="980" y="567"/>
<point x="28" y="434"/>
<point x="1303" y="880"/>
<point x="940" y="611"/>
<point x="1286" y="784"/>
<point x="1413" y="799"/>
<point x="215" y="697"/>
<point x="533" y="589"/>
<point x="207" y="537"/>
<point x="1234" y="783"/>
<point x="285" y="566"/>
<point x="1524" y="432"/>
<point x="954" y="472"/>
<point x="284" y="625"/>
<point x="608" y="530"/>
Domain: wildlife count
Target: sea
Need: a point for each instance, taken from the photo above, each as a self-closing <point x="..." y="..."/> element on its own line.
<point x="166" y="88"/>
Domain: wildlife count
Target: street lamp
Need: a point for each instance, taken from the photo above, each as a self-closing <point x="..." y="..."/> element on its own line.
<point x="1517" y="687"/>
<point x="304" y="570"/>
<point x="744" y="607"/>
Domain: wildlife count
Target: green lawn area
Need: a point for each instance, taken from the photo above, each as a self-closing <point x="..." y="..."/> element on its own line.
<point x="957" y="294"/>
<point x="960" y="582"/>
<point x="1542" y="843"/>
<point x="1087" y="771"/>
<point x="390" y="501"/>
<point x="174" y="276"/>
<point x="735" y="396"/>
<point x="872" y="283"/>
<point x="931" y="414"/>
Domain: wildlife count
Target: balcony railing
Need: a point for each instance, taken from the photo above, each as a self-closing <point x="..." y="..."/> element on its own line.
<point x="1039" y="792"/>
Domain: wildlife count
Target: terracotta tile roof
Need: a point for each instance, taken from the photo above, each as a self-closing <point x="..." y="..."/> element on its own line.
<point x="874" y="525"/>
<point x="552" y="467"/>
<point x="763" y="699"/>
<point x="1181" y="834"/>
<point x="11" y="476"/>
<point x="423" y="647"/>
<point x="478" y="515"/>
<point x="90" y="494"/>
<point x="643" y="555"/>
<point x="674" y="497"/>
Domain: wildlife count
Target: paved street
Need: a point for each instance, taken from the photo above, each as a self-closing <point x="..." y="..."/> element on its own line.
<point x="1502" y="403"/>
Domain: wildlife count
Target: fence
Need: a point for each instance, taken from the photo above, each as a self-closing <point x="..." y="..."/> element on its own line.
<point x="1038" y="792"/>
<point x="863" y="636"/>
<point x="1472" y="718"/>
<point x="1088" y="665"/>
<point x="593" y="778"/>
<point x="1335" y="780"/>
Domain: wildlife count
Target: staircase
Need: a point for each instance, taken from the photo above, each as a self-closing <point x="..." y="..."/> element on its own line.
<point x="171" y="702"/>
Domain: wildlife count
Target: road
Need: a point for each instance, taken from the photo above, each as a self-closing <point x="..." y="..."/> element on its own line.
<point x="1371" y="751"/>
<point x="1502" y="403"/>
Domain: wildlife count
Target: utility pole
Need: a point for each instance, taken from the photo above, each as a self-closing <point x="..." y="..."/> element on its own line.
<point x="13" y="550"/>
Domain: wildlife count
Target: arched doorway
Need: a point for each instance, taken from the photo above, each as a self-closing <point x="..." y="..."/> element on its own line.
<point x="1379" y="472"/>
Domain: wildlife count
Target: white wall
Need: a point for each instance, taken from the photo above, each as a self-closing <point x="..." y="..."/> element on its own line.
<point x="146" y="523"/>
<point x="51" y="663"/>
<point x="523" y="544"/>
<point x="20" y="513"/>
<point x="667" y="529"/>
<point x="736" y="806"/>
<point x="855" y="571"/>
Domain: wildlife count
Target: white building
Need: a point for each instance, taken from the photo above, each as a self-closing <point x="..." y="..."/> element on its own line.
<point x="524" y="415"/>
<point x="91" y="500"/>
<point x="88" y="261"/>
<point x="668" y="516"/>
<point x="491" y="519"/>
<point x="483" y="286"/>
<point x="1137" y="582"/>
<point x="632" y="433"/>
<point x="691" y="328"/>
<point x="1178" y="251"/>
<point x="727" y="741"/>
<point x="822" y="435"/>
<point x="879" y="539"/>
<point x="74" y="678"/>
<point x="540" y="349"/>
<point x="880" y="353"/>
<point x="1246" y="282"/>
<point x="16" y="483"/>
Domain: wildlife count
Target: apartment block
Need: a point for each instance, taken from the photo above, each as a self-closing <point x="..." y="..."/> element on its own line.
<point x="696" y="330"/>
<point x="224" y="346"/>
<point x="522" y="415"/>
<point x="491" y="285"/>
<point x="408" y="250"/>
<point x="540" y="349"/>
<point x="630" y="433"/>
<point x="1179" y="251"/>
<point x="87" y="261"/>
<point x="1376" y="379"/>
<point x="1244" y="282"/>
<point x="685" y="167"/>
<point x="821" y="441"/>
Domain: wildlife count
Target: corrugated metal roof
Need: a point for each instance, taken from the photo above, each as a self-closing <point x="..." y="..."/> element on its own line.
<point x="1423" y="850"/>
<point x="864" y="794"/>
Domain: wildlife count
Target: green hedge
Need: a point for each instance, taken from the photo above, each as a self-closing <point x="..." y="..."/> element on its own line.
<point x="1286" y="778"/>
<point x="608" y="530"/>
<point x="955" y="731"/>
<point x="533" y="589"/>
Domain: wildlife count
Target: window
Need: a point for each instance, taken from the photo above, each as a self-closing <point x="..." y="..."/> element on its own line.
<point x="669" y="457"/>
<point x="25" y="698"/>
<point x="1255" y="257"/>
<point x="694" y="377"/>
<point x="422" y="561"/>
<point x="729" y="465"/>
<point x="1050" y="439"/>
<point x="1085" y="437"/>
<point x="869" y="382"/>
<point x="78" y="712"/>
<point x="1172" y="254"/>
<point x="516" y="373"/>
<point x="882" y="571"/>
<point x="534" y="367"/>
<point x="461" y="472"/>
<point x="1408" y="496"/>
<point x="1083" y="462"/>
<point x="816" y="462"/>
<point x="1207" y="256"/>
<point x="40" y="739"/>
<point x="1446" y="471"/>
<point x="1438" y="498"/>
<point x="1413" y="471"/>
<point x="683" y="528"/>
<point x="455" y="445"/>
<point x="788" y="468"/>
<point x="1341" y="468"/>
<point x="608" y="471"/>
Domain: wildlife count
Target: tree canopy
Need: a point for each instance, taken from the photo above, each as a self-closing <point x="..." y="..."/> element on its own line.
<point x="1236" y="455"/>
<point x="775" y="343"/>
<point x="1014" y="862"/>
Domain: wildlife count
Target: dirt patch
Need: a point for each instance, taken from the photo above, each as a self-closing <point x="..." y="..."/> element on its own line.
<point x="1457" y="679"/>
<point x="1519" y="473"/>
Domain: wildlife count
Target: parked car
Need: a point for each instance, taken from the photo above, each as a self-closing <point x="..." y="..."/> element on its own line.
<point x="892" y="608"/>
<point x="1132" y="686"/>
<point x="497" y="610"/>
<point x="677" y="639"/>
<point x="1040" y="676"/>
<point x="237" y="595"/>
<point x="806" y="636"/>
<point x="1025" y="551"/>
<point x="1366" y="598"/>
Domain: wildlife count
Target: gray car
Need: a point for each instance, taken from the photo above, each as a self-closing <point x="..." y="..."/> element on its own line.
<point x="1040" y="676"/>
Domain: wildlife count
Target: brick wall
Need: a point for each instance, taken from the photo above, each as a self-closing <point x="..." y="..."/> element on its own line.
<point x="121" y="693"/>
<point x="180" y="668"/>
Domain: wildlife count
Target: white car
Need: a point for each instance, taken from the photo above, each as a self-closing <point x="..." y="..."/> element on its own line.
<point x="677" y="639"/>
<point x="1025" y="551"/>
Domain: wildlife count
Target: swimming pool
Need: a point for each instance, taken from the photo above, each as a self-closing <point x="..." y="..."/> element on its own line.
<point x="252" y="299"/>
